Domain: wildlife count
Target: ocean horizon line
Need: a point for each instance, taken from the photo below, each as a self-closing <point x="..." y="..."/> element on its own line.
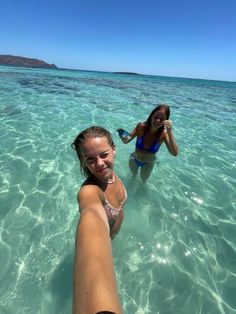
<point x="121" y="73"/>
<point x="143" y="74"/>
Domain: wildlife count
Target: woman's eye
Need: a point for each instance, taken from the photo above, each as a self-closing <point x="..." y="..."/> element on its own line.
<point x="104" y="155"/>
<point x="90" y="160"/>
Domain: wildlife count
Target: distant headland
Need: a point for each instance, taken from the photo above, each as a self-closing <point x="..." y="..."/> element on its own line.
<point x="25" y="62"/>
<point x="130" y="73"/>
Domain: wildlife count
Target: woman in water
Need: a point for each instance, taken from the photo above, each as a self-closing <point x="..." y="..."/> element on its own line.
<point x="150" y="135"/>
<point x="101" y="199"/>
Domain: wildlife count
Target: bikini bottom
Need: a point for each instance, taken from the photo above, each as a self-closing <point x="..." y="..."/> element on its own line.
<point x="140" y="163"/>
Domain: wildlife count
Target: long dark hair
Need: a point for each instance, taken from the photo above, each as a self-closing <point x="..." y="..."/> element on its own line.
<point x="148" y="122"/>
<point x="91" y="132"/>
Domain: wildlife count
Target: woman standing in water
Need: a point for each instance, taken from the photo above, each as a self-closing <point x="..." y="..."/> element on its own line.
<point x="150" y="136"/>
<point x="101" y="199"/>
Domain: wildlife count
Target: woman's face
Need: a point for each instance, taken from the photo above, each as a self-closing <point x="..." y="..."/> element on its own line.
<point x="158" y="118"/>
<point x="98" y="156"/>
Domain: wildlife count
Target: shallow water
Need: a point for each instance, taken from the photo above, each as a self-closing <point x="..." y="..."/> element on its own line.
<point x="176" y="250"/>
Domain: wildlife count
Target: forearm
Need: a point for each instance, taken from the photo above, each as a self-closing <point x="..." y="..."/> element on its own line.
<point x="172" y="145"/>
<point x="94" y="278"/>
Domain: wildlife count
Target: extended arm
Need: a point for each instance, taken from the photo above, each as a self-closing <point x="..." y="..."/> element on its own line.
<point x="94" y="279"/>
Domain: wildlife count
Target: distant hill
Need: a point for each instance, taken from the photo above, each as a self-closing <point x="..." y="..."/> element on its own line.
<point x="24" y="62"/>
<point x="129" y="73"/>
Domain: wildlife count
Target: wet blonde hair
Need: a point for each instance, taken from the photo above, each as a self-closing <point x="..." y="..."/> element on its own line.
<point x="91" y="132"/>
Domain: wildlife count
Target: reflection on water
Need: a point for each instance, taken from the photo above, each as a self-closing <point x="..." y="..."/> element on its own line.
<point x="176" y="250"/>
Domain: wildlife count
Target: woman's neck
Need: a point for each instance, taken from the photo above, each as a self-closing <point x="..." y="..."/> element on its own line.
<point x="107" y="181"/>
<point x="152" y="130"/>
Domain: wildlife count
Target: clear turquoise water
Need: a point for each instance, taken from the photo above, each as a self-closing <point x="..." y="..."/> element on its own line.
<point x="176" y="251"/>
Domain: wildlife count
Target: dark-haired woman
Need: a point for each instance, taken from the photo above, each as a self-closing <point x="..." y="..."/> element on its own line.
<point x="150" y="136"/>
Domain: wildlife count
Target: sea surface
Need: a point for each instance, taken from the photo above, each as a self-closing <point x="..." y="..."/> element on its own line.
<point x="176" y="250"/>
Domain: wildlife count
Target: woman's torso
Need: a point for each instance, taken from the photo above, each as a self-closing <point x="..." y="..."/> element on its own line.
<point x="147" y="144"/>
<point x="113" y="199"/>
<point x="115" y="214"/>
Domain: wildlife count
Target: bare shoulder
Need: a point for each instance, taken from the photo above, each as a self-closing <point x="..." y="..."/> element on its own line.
<point x="90" y="196"/>
<point x="89" y="191"/>
<point x="141" y="126"/>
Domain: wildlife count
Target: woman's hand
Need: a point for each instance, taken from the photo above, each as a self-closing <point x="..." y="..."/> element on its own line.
<point x="168" y="125"/>
<point x="125" y="140"/>
<point x="124" y="135"/>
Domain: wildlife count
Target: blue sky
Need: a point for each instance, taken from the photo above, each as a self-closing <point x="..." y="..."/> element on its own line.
<point x="185" y="38"/>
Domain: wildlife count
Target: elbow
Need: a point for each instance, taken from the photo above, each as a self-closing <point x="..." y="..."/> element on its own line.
<point x="175" y="153"/>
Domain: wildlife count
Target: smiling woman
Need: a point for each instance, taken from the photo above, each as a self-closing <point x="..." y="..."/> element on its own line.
<point x="101" y="199"/>
<point x="150" y="136"/>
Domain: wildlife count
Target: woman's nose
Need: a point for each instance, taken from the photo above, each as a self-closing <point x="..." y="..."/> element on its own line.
<point x="99" y="161"/>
